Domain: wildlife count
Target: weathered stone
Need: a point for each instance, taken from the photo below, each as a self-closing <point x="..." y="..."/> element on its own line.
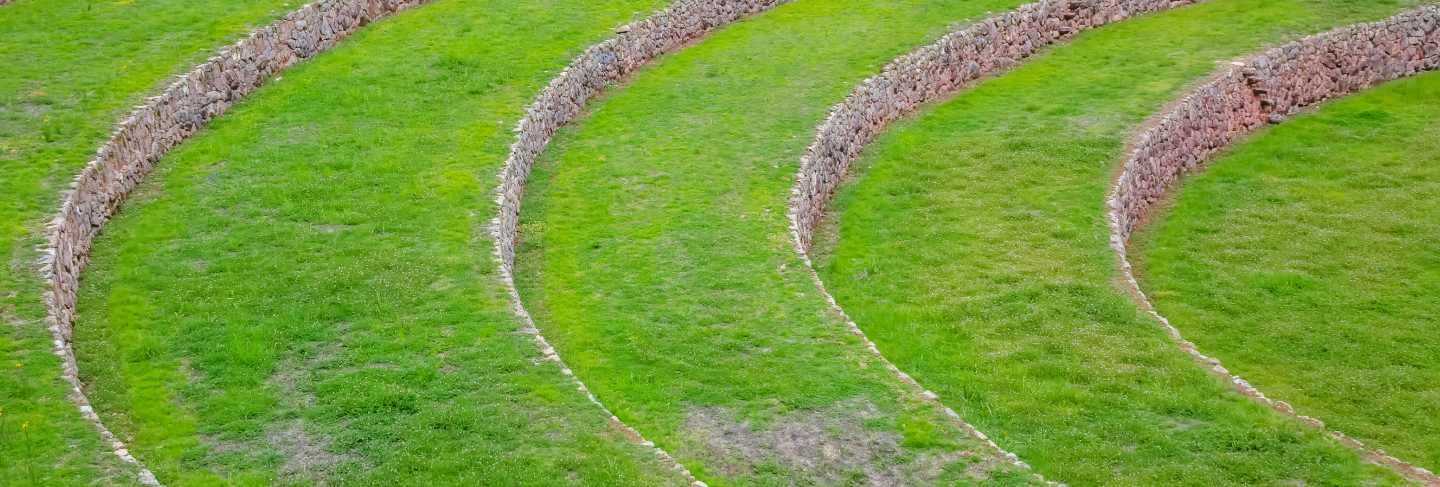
<point x="152" y="129"/>
<point x="1266" y="88"/>
<point x="926" y="74"/>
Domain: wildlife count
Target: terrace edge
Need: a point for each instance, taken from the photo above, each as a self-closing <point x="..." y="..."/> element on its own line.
<point x="151" y="130"/>
<point x="928" y="74"/>
<point x="561" y="102"/>
<point x="1263" y="89"/>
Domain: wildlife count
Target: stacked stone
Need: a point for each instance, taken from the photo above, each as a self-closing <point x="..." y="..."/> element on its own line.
<point x="599" y="66"/>
<point x="166" y="119"/>
<point x="161" y="123"/>
<point x="561" y="101"/>
<point x="1267" y="88"/>
<point x="1208" y="119"/>
<point x="932" y="72"/>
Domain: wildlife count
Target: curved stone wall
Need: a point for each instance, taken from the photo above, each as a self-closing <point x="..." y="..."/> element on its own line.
<point x="209" y="89"/>
<point x="1264" y="89"/>
<point x="561" y="102"/>
<point x="1244" y="96"/>
<point x="922" y="76"/>
<point x="608" y="62"/>
<point x="151" y="130"/>
<point x="934" y="72"/>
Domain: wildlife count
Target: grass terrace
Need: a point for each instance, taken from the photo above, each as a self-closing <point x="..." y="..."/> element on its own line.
<point x="70" y="69"/>
<point x="655" y="256"/>
<point x="304" y="292"/>
<point x="972" y="246"/>
<point x="1306" y="261"/>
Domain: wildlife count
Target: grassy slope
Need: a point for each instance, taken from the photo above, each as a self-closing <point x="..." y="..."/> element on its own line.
<point x="656" y="254"/>
<point x="972" y="247"/>
<point x="68" y="70"/>
<point x="1308" y="260"/>
<point x="309" y="280"/>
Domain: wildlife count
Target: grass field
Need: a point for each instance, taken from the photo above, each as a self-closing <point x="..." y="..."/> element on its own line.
<point x="1308" y="260"/>
<point x="655" y="254"/>
<point x="69" y="69"/>
<point x="971" y="245"/>
<point x="304" y="292"/>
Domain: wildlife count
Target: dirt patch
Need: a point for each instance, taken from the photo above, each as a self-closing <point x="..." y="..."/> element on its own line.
<point x="329" y="229"/>
<point x="8" y="313"/>
<point x="287" y="379"/>
<point x="828" y="446"/>
<point x="306" y="456"/>
<point x="213" y="171"/>
<point x="35" y="108"/>
<point x="187" y="370"/>
<point x="1177" y="425"/>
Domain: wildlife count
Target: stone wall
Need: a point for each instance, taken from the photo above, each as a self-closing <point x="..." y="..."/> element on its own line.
<point x="925" y="75"/>
<point x="561" y="102"/>
<point x="1262" y="89"/>
<point x="605" y="63"/>
<point x="931" y="73"/>
<point x="1265" y="89"/>
<point x="156" y="126"/>
<point x="1241" y="98"/>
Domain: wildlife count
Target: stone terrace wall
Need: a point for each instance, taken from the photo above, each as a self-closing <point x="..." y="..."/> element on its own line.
<point x="921" y="76"/>
<point x="635" y="45"/>
<point x="931" y="73"/>
<point x="561" y="101"/>
<point x="1248" y="94"/>
<point x="158" y="125"/>
<point x="1266" y="88"/>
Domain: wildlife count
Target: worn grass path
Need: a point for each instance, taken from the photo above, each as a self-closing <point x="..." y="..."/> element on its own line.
<point x="655" y="257"/>
<point x="304" y="292"/>
<point x="971" y="246"/>
<point x="71" y="69"/>
<point x="1308" y="260"/>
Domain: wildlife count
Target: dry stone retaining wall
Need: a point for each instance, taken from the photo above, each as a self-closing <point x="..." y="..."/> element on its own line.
<point x="158" y="125"/>
<point x="562" y="101"/>
<point x="931" y="73"/>
<point x="209" y="89"/>
<point x="1248" y="94"/>
<point x="925" y="75"/>
<point x="635" y="45"/>
<point x="1266" y="88"/>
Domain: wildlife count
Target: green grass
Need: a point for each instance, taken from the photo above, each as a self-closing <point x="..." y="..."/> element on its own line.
<point x="69" y="69"/>
<point x="1307" y="261"/>
<point x="310" y="279"/>
<point x="656" y="255"/>
<point x="972" y="247"/>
